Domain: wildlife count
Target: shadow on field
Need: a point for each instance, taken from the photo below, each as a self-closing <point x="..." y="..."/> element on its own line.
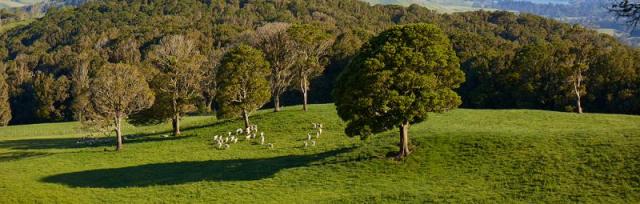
<point x="187" y="172"/>
<point x="71" y="143"/>
<point x="11" y="156"/>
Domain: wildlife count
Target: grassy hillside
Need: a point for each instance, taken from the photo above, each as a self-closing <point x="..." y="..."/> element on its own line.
<point x="444" y="6"/>
<point x="17" y="3"/>
<point x="483" y="156"/>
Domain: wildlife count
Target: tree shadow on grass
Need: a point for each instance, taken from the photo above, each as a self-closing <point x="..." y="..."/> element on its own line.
<point x="11" y="156"/>
<point x="72" y="143"/>
<point x="187" y="172"/>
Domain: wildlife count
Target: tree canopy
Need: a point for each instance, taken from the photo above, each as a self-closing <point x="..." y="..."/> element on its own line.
<point x="396" y="79"/>
<point x="244" y="87"/>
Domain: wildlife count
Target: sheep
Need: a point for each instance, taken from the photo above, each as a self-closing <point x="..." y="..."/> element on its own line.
<point x="319" y="131"/>
<point x="308" y="136"/>
<point x="270" y="145"/>
<point x="226" y="146"/>
<point x="219" y="145"/>
<point x="239" y="131"/>
<point x="261" y="134"/>
<point x="262" y="139"/>
<point x="315" y="125"/>
<point x="229" y="134"/>
<point x="235" y="140"/>
<point x="317" y="135"/>
<point x="248" y="131"/>
<point x="226" y="139"/>
<point x="215" y="138"/>
<point x="313" y="143"/>
<point x="248" y="137"/>
<point x="306" y="144"/>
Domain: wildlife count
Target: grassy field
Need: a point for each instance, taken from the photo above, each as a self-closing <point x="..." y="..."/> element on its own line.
<point x="465" y="156"/>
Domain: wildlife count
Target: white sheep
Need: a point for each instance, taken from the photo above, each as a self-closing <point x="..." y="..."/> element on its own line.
<point x="308" y="136"/>
<point x="226" y="139"/>
<point x="306" y="144"/>
<point x="270" y="145"/>
<point x="235" y="140"/>
<point x="229" y="134"/>
<point x="317" y="135"/>
<point x="319" y="131"/>
<point x="239" y="131"/>
<point x="320" y="125"/>
<point x="262" y="139"/>
<point x="248" y="137"/>
<point x="215" y="138"/>
<point x="226" y="146"/>
<point x="315" y="125"/>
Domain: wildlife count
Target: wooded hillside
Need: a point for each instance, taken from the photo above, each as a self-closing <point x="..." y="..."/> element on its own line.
<point x="510" y="60"/>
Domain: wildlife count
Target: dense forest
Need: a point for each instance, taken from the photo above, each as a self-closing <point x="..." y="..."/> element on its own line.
<point x="510" y="60"/>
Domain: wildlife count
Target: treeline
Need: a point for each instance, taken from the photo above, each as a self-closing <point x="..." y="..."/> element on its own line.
<point x="510" y="60"/>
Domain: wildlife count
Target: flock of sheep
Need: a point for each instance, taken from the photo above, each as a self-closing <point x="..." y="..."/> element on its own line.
<point x="224" y="142"/>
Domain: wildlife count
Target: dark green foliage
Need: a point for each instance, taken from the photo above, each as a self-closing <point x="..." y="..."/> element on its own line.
<point x="487" y="44"/>
<point x="243" y="81"/>
<point x="396" y="79"/>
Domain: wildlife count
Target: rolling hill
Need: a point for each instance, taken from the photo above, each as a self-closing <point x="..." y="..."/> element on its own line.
<point x="465" y="156"/>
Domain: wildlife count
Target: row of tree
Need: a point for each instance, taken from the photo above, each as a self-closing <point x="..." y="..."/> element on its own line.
<point x="120" y="90"/>
<point x="510" y="60"/>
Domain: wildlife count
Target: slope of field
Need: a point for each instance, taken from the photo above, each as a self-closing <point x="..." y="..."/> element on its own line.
<point x="465" y="156"/>
<point x="17" y="3"/>
<point x="443" y="6"/>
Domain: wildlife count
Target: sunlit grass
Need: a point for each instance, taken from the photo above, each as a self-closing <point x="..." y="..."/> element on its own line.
<point x="483" y="156"/>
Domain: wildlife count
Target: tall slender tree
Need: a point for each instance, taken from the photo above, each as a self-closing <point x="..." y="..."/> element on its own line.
<point x="312" y="44"/>
<point x="117" y="91"/>
<point x="279" y="49"/>
<point x="179" y="62"/>
<point x="397" y="79"/>
<point x="244" y="87"/>
<point x="5" y="106"/>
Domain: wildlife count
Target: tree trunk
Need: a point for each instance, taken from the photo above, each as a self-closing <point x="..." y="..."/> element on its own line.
<point x="276" y="103"/>
<point x="305" y="90"/>
<point x="245" y="116"/>
<point x="118" y="133"/>
<point x="304" y="104"/>
<point x="576" y="88"/>
<point x="404" y="141"/>
<point x="175" y="122"/>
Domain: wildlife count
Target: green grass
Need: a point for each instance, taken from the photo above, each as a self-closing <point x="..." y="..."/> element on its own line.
<point x="465" y="156"/>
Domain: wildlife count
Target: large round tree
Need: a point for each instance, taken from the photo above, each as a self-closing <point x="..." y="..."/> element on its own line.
<point x="396" y="79"/>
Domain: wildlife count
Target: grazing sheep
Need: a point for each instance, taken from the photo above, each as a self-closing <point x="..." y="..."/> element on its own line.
<point x="239" y="131"/>
<point x="317" y="135"/>
<point x="248" y="137"/>
<point x="226" y="139"/>
<point x="319" y="131"/>
<point x="308" y="136"/>
<point x="219" y="145"/>
<point x="320" y="125"/>
<point x="215" y="138"/>
<point x="306" y="144"/>
<point x="229" y="134"/>
<point x="235" y="140"/>
<point x="315" y="125"/>
<point x="262" y="139"/>
<point x="226" y="146"/>
<point x="270" y="145"/>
